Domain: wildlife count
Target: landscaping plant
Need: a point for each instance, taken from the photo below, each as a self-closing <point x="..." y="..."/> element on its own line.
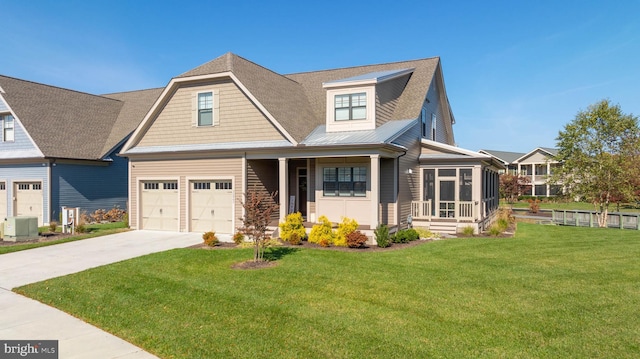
<point x="356" y="239"/>
<point x="322" y="233"/>
<point x="292" y="227"/>
<point x="347" y="226"/>
<point x="258" y="206"/>
<point x="210" y="238"/>
<point x="382" y="235"/>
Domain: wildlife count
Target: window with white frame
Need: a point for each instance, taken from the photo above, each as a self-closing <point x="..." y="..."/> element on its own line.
<point x="344" y="181"/>
<point x="8" y="128"/>
<point x="205" y="109"/>
<point x="351" y="107"/>
<point x="423" y="121"/>
<point x="433" y="126"/>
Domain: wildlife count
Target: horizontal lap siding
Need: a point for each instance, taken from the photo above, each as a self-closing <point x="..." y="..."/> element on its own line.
<point x="436" y="106"/>
<point x="89" y="187"/>
<point x="408" y="183"/>
<point x="262" y="175"/>
<point x="21" y="144"/>
<point x="239" y="119"/>
<point x="183" y="170"/>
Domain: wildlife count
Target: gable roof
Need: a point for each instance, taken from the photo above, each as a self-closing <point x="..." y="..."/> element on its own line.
<point x="71" y="124"/>
<point x="504" y="156"/>
<point x="551" y="152"/>
<point x="297" y="101"/>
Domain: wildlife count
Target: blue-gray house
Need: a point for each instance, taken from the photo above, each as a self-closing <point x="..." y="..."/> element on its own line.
<point x="58" y="147"/>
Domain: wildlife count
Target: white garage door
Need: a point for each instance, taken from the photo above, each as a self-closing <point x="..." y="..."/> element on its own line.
<point x="28" y="197"/>
<point x="159" y="205"/>
<point x="3" y="201"/>
<point x="211" y="205"/>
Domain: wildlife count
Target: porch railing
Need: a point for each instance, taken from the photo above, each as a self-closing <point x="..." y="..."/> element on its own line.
<point x="459" y="210"/>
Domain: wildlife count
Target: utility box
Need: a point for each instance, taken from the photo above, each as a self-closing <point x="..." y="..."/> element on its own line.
<point x="1" y="229"/>
<point x="18" y="229"/>
<point x="70" y="217"/>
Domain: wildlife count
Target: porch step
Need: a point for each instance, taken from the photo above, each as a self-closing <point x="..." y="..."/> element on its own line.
<point x="442" y="227"/>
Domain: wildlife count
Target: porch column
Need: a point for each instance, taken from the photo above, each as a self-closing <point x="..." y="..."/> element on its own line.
<point x="375" y="189"/>
<point x="283" y="185"/>
<point x="548" y="175"/>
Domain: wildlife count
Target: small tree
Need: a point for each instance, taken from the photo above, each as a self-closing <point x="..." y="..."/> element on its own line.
<point x="258" y="206"/>
<point x="513" y="186"/>
<point x="599" y="155"/>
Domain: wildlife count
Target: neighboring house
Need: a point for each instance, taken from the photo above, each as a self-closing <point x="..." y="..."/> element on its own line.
<point x="537" y="165"/>
<point x="58" y="148"/>
<point x="374" y="143"/>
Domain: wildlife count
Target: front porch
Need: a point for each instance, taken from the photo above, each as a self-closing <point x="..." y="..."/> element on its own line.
<point x="452" y="216"/>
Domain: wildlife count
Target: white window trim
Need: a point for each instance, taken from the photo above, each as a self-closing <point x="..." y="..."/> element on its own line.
<point x="434" y="124"/>
<point x="351" y="125"/>
<point x="3" y="130"/>
<point x="215" y="111"/>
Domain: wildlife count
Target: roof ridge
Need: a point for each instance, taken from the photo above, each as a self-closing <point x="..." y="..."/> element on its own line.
<point x="130" y="91"/>
<point x="262" y="67"/>
<point x="361" y="66"/>
<point x="57" y="87"/>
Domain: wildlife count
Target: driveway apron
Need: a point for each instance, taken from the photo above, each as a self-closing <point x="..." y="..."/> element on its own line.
<point x="22" y="318"/>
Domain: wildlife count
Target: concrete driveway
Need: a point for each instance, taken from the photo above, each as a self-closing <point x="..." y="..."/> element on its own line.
<point x="23" y="318"/>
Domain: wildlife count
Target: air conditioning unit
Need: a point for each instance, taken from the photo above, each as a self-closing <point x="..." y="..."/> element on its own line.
<point x="18" y="229"/>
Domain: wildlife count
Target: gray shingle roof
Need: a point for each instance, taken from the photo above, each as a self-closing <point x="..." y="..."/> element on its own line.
<point x="71" y="124"/>
<point x="505" y="156"/>
<point x="297" y="101"/>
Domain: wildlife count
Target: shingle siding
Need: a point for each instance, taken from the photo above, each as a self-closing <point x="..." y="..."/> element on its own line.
<point x="408" y="183"/>
<point x="239" y="119"/>
<point x="387" y="96"/>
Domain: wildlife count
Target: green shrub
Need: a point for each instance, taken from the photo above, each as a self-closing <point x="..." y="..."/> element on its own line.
<point x="382" y="235"/>
<point x="405" y="236"/>
<point x="322" y="233"/>
<point x="468" y="231"/>
<point x="125" y="219"/>
<point x="81" y="227"/>
<point x="293" y="225"/>
<point x="210" y="238"/>
<point x="347" y="226"/>
<point x="238" y="238"/>
<point x="53" y="225"/>
<point x="356" y="239"/>
<point x="495" y="230"/>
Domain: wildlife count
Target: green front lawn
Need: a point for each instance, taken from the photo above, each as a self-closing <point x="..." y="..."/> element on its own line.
<point x="93" y="230"/>
<point x="551" y="292"/>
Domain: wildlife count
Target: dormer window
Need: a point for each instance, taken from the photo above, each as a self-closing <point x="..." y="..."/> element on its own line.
<point x="351" y="107"/>
<point x="205" y="109"/>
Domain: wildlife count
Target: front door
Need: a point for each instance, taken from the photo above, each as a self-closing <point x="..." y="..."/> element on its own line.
<point x="302" y="191"/>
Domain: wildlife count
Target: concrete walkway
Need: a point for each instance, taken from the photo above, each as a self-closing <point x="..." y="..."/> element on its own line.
<point x="27" y="319"/>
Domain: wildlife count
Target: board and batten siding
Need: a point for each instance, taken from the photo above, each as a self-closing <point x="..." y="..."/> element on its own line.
<point x="239" y="119"/>
<point x="387" y="96"/>
<point x="183" y="170"/>
<point x="36" y="172"/>
<point x="90" y="186"/>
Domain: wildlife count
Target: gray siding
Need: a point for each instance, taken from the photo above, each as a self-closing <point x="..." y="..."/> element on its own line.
<point x="387" y="192"/>
<point x="408" y="183"/>
<point x="21" y="146"/>
<point x="387" y="96"/>
<point x="3" y="106"/>
<point x="262" y="175"/>
<point x="435" y="106"/>
<point x="36" y="172"/>
<point x="89" y="186"/>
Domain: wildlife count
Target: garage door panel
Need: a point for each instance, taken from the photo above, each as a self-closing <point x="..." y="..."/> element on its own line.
<point x="28" y="200"/>
<point x="211" y="205"/>
<point x="160" y="200"/>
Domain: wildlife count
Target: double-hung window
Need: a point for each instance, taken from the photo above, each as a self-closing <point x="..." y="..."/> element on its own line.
<point x="205" y="109"/>
<point x="8" y="128"/>
<point x="351" y="107"/>
<point x="344" y="181"/>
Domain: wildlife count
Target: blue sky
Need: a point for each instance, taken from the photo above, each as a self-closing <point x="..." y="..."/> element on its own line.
<point x="515" y="71"/>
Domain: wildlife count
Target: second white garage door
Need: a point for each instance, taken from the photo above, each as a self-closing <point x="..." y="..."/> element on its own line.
<point x="28" y="200"/>
<point x="160" y="203"/>
<point x="211" y="203"/>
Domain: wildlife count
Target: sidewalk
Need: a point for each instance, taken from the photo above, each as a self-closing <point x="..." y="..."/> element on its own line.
<point x="22" y="318"/>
